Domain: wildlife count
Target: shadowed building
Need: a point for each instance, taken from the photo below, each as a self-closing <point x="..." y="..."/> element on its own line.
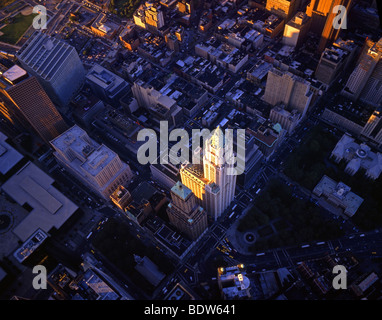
<point x="26" y="104"/>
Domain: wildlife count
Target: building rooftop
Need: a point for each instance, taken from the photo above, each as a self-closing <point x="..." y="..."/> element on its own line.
<point x="44" y="54"/>
<point x="181" y="190"/>
<point x="48" y="207"/>
<point x="9" y="156"/>
<point x="341" y="192"/>
<point x="358" y="156"/>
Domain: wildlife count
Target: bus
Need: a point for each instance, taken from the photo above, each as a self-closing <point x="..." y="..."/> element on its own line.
<point x="258" y="190"/>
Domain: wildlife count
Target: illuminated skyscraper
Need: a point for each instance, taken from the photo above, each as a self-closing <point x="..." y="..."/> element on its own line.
<point x="213" y="182"/>
<point x="330" y="33"/>
<point x="323" y="14"/>
<point x="25" y="103"/>
<point x="185" y="213"/>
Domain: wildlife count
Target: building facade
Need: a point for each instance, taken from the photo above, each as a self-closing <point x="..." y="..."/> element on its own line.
<point x="26" y="104"/>
<point x="185" y="213"/>
<point x="213" y="181"/>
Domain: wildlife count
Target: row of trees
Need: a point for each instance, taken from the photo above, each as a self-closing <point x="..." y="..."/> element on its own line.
<point x="124" y="8"/>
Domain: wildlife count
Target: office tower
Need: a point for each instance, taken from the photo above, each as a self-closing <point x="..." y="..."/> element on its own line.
<point x="330" y="33"/>
<point x="372" y="91"/>
<point x="213" y="182"/>
<point x="95" y="165"/>
<point x="366" y="77"/>
<point x="26" y="104"/>
<point x="296" y="30"/>
<point x="106" y="85"/>
<point x="332" y="62"/>
<point x="55" y="64"/>
<point x="283" y="8"/>
<point x="318" y="10"/>
<point x="185" y="213"/>
<point x="185" y="6"/>
<point x="289" y="89"/>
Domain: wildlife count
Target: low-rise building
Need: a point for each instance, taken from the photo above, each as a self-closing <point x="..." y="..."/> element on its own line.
<point x="233" y="283"/>
<point x="339" y="195"/>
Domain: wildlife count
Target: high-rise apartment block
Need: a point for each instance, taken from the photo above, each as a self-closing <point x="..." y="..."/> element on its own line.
<point x="185" y="213"/>
<point x="212" y="182"/>
<point x="95" y="165"/>
<point x="26" y="104"/>
<point x="55" y="64"/>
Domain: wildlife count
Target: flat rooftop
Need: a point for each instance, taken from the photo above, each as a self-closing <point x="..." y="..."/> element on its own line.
<point x="9" y="156"/>
<point x="48" y="207"/>
<point x="341" y="192"/>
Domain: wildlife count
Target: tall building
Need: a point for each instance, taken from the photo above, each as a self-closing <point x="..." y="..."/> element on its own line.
<point x="318" y="10"/>
<point x="149" y="16"/>
<point x="185" y="213"/>
<point x="288" y="89"/>
<point x="26" y="104"/>
<point x="329" y="33"/>
<point x="296" y="30"/>
<point x="213" y="182"/>
<point x="332" y="62"/>
<point x="284" y="8"/>
<point x="55" y="64"/>
<point x="365" y="80"/>
<point x="95" y="165"/>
